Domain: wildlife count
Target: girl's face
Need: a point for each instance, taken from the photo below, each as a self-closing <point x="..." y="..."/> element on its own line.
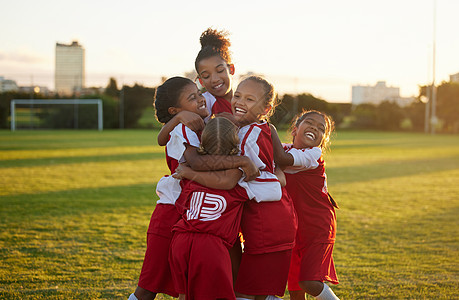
<point x="191" y="100"/>
<point x="216" y="76"/>
<point x="310" y="132"/>
<point x="248" y="103"/>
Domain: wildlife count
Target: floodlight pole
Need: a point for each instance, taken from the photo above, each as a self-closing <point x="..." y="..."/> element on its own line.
<point x="13" y="115"/>
<point x="433" y="120"/>
<point x="427" y="110"/>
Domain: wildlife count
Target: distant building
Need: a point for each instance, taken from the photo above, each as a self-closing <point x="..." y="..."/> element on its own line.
<point x="454" y="78"/>
<point x="374" y="94"/>
<point x="69" y="75"/>
<point x="8" y="85"/>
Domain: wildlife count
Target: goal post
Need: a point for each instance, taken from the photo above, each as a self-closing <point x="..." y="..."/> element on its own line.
<point x="31" y="102"/>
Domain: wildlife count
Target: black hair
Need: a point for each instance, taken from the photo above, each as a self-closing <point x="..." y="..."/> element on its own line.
<point x="214" y="43"/>
<point x="329" y="126"/>
<point x="167" y="95"/>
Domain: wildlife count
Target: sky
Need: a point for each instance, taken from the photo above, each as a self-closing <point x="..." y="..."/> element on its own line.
<point x="317" y="47"/>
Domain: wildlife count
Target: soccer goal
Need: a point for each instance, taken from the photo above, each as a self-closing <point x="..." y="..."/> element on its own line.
<point x="37" y="110"/>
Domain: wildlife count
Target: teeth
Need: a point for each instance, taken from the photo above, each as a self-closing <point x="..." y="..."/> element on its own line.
<point x="218" y="86"/>
<point x="311" y="135"/>
<point x="240" y="110"/>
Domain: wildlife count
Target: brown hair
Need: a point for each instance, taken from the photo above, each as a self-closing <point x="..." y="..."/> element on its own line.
<point x="270" y="94"/>
<point x="214" y="43"/>
<point x="219" y="137"/>
<point x="329" y="126"/>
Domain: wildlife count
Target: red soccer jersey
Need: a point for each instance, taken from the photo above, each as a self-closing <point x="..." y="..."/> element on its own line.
<point x="316" y="214"/>
<point x="168" y="188"/>
<point x="266" y="226"/>
<point x="175" y="147"/>
<point x="216" y="105"/>
<point x="211" y="211"/>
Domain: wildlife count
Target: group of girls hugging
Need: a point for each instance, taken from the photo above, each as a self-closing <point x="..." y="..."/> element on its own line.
<point x="240" y="215"/>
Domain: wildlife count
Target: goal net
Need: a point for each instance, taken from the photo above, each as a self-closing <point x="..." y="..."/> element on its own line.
<point x="56" y="114"/>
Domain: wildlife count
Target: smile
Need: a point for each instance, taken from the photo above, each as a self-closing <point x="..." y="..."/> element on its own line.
<point x="310" y="135"/>
<point x="239" y="110"/>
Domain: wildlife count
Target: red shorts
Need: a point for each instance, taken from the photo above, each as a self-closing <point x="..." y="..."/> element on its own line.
<point x="201" y="266"/>
<point x="156" y="273"/>
<point x="312" y="263"/>
<point x="263" y="274"/>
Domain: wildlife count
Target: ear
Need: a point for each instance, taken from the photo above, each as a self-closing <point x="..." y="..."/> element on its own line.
<point x="294" y="129"/>
<point x="231" y="69"/>
<point x="173" y="110"/>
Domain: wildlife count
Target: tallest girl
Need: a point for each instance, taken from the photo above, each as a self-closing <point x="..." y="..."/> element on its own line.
<point x="215" y="73"/>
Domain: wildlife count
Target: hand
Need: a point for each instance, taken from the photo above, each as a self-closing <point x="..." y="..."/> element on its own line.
<point x="182" y="171"/>
<point x="191" y="120"/>
<point x="281" y="176"/>
<point x="250" y="169"/>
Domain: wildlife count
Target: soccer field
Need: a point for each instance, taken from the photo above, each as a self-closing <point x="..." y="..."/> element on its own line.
<point x="75" y="206"/>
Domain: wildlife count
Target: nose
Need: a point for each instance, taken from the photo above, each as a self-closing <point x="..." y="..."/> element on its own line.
<point x="214" y="77"/>
<point x="313" y="126"/>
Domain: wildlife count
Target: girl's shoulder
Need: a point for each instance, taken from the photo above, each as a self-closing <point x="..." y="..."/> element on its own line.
<point x="185" y="133"/>
<point x="254" y="131"/>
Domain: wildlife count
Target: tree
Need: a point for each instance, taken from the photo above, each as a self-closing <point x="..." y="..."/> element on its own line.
<point x="291" y="105"/>
<point x="112" y="88"/>
<point x="364" y="116"/>
<point x="448" y="106"/>
<point x="416" y="114"/>
<point x="136" y="100"/>
<point x="389" y="116"/>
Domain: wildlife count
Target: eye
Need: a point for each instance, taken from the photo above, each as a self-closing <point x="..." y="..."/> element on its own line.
<point x="220" y="70"/>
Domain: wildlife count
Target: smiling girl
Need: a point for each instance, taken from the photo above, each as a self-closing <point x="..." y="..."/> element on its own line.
<point x="215" y="73"/>
<point x="312" y="261"/>
<point x="268" y="227"/>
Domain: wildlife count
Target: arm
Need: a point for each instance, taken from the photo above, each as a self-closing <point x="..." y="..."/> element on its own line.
<point x="189" y="119"/>
<point x="227" y="115"/>
<point x="220" y="162"/>
<point x="294" y="157"/>
<point x="281" y="176"/>
<point x="281" y="158"/>
<point x="222" y="180"/>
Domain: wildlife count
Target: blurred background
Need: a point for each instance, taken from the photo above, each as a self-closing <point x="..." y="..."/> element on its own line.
<point x="349" y="58"/>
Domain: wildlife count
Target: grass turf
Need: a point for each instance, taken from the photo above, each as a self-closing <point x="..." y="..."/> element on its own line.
<point x="75" y="205"/>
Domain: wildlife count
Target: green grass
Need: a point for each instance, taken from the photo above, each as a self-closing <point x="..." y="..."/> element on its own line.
<point x="75" y="206"/>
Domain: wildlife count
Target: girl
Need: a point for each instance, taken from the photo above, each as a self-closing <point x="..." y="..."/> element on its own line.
<point x="268" y="228"/>
<point x="199" y="256"/>
<point x="177" y="94"/>
<point x="312" y="261"/>
<point x="215" y="72"/>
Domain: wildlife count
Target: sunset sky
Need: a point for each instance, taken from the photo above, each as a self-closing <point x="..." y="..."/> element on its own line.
<point x="317" y="47"/>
